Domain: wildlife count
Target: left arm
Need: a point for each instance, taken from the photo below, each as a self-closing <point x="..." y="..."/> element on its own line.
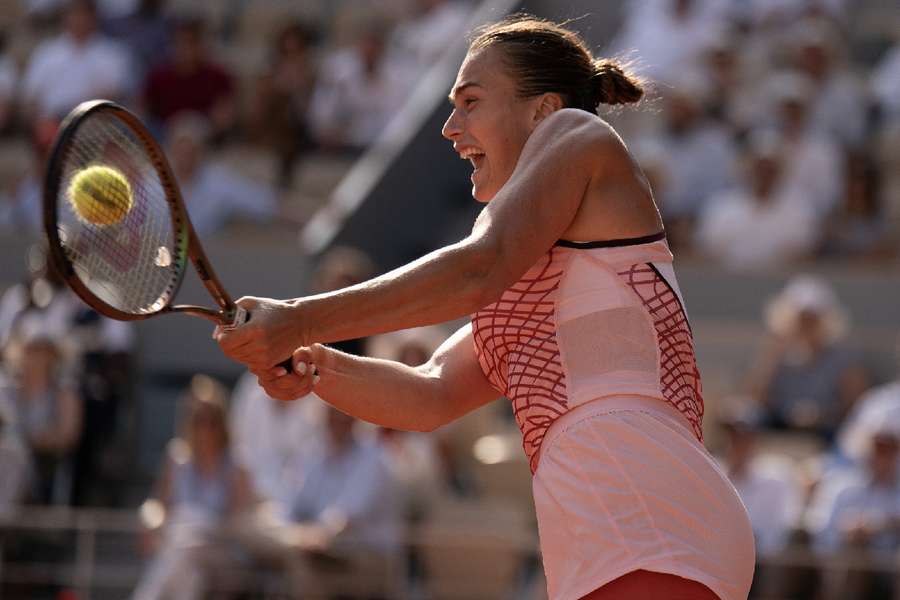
<point x="526" y="217"/>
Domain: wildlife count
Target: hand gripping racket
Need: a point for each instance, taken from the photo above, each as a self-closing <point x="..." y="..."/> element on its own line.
<point x="116" y="224"/>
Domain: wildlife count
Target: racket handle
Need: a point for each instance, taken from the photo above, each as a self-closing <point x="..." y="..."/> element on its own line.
<point x="241" y="316"/>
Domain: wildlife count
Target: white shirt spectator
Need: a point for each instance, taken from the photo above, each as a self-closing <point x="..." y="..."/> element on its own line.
<point x="697" y="164"/>
<point x="838" y="109"/>
<point x="814" y="173"/>
<point x="274" y="440"/>
<point x="774" y="502"/>
<point x="355" y="485"/>
<point x="743" y="234"/>
<point x="62" y="73"/>
<point x="58" y="321"/>
<point x="348" y="101"/>
<point x="216" y="195"/>
<point x="663" y="42"/>
<point x="856" y="497"/>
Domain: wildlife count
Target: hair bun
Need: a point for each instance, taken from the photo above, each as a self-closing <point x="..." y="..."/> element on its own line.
<point x="612" y="84"/>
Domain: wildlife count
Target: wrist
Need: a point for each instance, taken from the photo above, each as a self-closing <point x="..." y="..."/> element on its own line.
<point x="299" y="328"/>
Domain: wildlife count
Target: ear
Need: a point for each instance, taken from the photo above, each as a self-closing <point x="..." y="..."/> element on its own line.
<point x="547" y="104"/>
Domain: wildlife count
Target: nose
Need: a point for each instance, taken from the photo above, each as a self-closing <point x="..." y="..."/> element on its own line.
<point x="452" y="127"/>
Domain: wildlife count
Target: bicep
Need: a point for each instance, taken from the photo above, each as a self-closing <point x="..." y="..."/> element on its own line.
<point x="463" y="385"/>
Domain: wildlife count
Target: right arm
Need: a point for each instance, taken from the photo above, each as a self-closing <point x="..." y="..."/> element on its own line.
<point x="390" y="393"/>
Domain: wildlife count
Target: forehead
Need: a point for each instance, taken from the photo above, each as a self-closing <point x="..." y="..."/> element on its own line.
<point x="484" y="69"/>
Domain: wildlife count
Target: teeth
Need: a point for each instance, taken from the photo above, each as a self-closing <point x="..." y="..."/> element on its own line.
<point x="470" y="153"/>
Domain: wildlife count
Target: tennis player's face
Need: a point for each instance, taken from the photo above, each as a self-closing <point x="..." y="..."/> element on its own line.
<point x="489" y="124"/>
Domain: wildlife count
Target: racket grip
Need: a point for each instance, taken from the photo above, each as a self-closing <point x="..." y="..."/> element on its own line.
<point x="241" y="316"/>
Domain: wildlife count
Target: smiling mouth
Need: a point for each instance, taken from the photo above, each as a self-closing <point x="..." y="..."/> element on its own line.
<point x="475" y="157"/>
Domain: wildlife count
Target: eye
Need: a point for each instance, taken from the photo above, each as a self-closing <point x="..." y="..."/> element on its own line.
<point x="468" y="102"/>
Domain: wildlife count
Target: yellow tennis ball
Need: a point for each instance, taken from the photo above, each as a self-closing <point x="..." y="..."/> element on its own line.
<point x="100" y="195"/>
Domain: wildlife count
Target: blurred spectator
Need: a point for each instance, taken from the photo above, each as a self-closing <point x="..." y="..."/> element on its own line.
<point x="699" y="153"/>
<point x="838" y="104"/>
<point x="347" y="505"/>
<point x="860" y="513"/>
<point x="358" y="91"/>
<point x="80" y="64"/>
<point x="146" y="31"/>
<point x="15" y="459"/>
<point x="21" y="210"/>
<point x="806" y="378"/>
<point x="214" y="195"/>
<point x="666" y="35"/>
<point x="101" y="350"/>
<point x="190" y="82"/>
<point x="41" y="302"/>
<point x="415" y="460"/>
<point x="274" y="440"/>
<point x="280" y="103"/>
<point x="759" y="224"/>
<point x="872" y="407"/>
<point x="814" y="173"/>
<point x="733" y="97"/>
<point x="858" y="229"/>
<point x="426" y="35"/>
<point x="200" y="489"/>
<point x="768" y="488"/>
<point x="885" y="83"/>
<point x="9" y="76"/>
<point x="48" y="414"/>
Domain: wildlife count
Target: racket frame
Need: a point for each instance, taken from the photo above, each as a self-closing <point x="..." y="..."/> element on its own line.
<point x="183" y="232"/>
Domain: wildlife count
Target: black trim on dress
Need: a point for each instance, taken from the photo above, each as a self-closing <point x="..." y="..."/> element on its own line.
<point x="646" y="239"/>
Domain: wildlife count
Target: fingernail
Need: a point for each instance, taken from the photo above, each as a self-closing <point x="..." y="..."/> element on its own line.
<point x="280" y="372"/>
<point x="301" y="368"/>
<point x="315" y="379"/>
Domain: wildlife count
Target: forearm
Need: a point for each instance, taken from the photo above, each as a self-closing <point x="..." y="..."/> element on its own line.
<point x="446" y="284"/>
<point x="383" y="392"/>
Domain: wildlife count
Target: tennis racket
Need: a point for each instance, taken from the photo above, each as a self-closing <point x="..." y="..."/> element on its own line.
<point x="121" y="238"/>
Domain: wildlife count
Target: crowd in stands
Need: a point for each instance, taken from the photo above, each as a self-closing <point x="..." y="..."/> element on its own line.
<point x="330" y="80"/>
<point x="768" y="117"/>
<point x="771" y="137"/>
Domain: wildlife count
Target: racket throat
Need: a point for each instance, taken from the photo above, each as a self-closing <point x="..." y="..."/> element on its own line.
<point x="219" y="318"/>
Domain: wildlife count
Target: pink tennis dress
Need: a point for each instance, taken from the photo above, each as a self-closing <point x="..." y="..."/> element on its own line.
<point x="594" y="349"/>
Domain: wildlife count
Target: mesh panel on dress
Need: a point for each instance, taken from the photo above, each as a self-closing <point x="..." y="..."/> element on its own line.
<point x="618" y="339"/>
<point x="515" y="339"/>
<point x="679" y="378"/>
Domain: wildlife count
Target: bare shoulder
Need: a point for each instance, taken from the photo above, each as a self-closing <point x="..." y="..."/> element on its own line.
<point x="578" y="131"/>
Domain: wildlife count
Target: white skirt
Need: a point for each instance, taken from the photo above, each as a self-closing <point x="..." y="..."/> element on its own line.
<point x="623" y="484"/>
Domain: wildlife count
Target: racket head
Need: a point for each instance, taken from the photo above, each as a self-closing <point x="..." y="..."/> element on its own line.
<point x="125" y="259"/>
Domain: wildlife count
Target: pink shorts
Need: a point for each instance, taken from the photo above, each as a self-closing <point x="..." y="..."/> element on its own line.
<point x="647" y="585"/>
<point x="623" y="485"/>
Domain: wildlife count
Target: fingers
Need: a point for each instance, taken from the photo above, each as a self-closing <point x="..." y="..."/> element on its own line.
<point x="281" y="385"/>
<point x="289" y="387"/>
<point x="303" y="365"/>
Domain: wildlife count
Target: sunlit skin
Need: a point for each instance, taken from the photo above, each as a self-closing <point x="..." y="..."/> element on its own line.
<point x="544" y="172"/>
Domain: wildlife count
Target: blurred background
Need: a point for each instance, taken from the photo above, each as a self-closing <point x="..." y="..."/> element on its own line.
<point x="135" y="461"/>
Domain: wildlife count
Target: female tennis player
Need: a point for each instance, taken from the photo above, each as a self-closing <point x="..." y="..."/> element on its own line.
<point x="576" y="318"/>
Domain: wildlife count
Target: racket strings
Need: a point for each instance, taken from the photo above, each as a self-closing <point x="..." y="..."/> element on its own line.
<point x="118" y="231"/>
